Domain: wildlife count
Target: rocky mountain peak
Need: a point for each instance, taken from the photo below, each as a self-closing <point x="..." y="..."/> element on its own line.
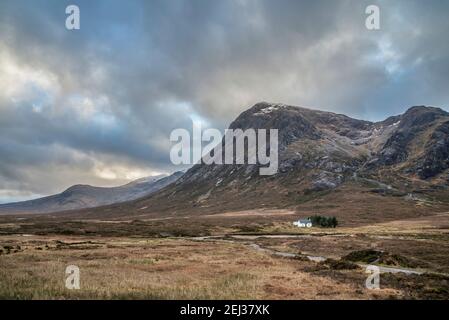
<point x="323" y="149"/>
<point x="420" y="116"/>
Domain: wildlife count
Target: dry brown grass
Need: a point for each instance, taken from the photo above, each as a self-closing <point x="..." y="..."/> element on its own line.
<point x="156" y="259"/>
<point x="423" y="240"/>
<point x="116" y="268"/>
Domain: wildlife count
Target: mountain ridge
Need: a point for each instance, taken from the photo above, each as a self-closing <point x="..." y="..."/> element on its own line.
<point x="81" y="196"/>
<point x="323" y="157"/>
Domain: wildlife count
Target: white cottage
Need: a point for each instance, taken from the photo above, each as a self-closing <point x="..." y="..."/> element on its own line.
<point x="303" y="223"/>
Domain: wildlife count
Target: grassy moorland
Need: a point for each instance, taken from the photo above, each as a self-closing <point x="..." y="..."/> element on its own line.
<point x="171" y="259"/>
<point x="162" y="269"/>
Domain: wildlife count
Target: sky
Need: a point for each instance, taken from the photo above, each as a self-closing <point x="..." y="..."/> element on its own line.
<point x="97" y="105"/>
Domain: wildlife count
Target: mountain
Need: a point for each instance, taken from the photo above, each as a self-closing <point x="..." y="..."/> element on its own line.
<point x="328" y="164"/>
<point x="86" y="196"/>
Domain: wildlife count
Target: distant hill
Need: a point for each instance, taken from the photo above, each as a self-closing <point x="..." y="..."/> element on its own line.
<point x="328" y="163"/>
<point x="86" y="196"/>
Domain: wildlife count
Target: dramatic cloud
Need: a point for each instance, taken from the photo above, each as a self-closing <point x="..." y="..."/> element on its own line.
<point x="97" y="105"/>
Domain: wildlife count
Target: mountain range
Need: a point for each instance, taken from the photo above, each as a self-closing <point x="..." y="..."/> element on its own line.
<point x="86" y="196"/>
<point x="328" y="163"/>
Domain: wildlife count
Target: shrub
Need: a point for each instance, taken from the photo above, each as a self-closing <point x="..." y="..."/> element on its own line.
<point x="367" y="256"/>
<point x="340" y="264"/>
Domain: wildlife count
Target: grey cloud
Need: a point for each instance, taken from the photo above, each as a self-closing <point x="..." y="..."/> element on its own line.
<point x="147" y="66"/>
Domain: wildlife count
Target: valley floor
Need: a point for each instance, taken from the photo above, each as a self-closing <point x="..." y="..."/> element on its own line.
<point x="225" y="257"/>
